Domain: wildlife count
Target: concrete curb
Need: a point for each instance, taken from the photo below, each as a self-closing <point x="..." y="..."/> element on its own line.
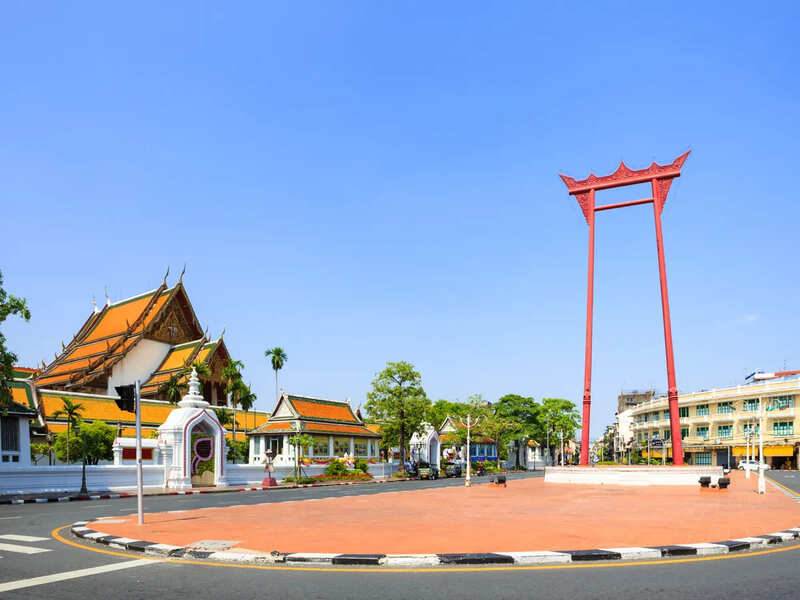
<point x="84" y="497"/>
<point x="542" y="557"/>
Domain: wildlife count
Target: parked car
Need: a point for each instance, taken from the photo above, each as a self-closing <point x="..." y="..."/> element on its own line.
<point x="427" y="471"/>
<point x="451" y="470"/>
<point x="752" y="465"/>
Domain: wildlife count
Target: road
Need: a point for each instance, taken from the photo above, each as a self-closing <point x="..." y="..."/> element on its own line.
<point x="26" y="529"/>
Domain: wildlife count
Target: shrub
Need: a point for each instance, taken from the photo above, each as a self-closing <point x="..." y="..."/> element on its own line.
<point x="361" y="465"/>
<point x="336" y="468"/>
<point x="606" y="463"/>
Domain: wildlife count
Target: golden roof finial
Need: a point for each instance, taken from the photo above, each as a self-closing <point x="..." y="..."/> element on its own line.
<point x="165" y="277"/>
<point x="63" y="347"/>
<point x="180" y="279"/>
<point x="108" y="300"/>
<point x="221" y="335"/>
<point x="44" y="366"/>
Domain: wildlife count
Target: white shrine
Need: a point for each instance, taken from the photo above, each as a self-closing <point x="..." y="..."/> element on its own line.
<point x="192" y="443"/>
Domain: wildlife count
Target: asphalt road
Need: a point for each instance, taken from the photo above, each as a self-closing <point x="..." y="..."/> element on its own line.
<point x="773" y="575"/>
<point x="790" y="479"/>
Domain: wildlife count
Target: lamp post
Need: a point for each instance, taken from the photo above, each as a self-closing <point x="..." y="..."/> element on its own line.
<point x="468" y="480"/>
<point x="762" y="487"/>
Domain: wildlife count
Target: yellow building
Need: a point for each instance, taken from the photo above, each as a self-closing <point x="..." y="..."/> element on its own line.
<point x="715" y="423"/>
<point x="150" y="338"/>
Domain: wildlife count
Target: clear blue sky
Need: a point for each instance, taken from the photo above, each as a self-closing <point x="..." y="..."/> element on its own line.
<point x="361" y="182"/>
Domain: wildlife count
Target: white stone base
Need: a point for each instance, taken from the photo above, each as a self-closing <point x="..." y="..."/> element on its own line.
<point x="631" y="475"/>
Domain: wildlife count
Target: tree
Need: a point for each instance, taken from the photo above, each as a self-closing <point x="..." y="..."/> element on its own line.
<point x="232" y="378"/>
<point x="40" y="450"/>
<point x="398" y="402"/>
<point x="97" y="441"/>
<point x="9" y="305"/>
<point x="525" y="411"/>
<point x="559" y="416"/>
<point x="67" y="448"/>
<point x="299" y="440"/>
<point x="247" y="400"/>
<point x="497" y="428"/>
<point x="173" y="388"/>
<point x="223" y="416"/>
<point x="72" y="411"/>
<point x="277" y="356"/>
<point x="440" y="410"/>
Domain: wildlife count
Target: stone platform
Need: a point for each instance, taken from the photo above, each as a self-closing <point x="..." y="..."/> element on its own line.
<point x="631" y="475"/>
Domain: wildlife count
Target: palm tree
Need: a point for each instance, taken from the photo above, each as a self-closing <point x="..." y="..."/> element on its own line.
<point x="173" y="388"/>
<point x="247" y="400"/>
<point x="72" y="411"/>
<point x="232" y="377"/>
<point x="278" y="357"/>
<point x="223" y="416"/>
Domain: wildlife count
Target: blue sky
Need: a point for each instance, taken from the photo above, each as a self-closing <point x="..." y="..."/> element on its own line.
<point x="362" y="182"/>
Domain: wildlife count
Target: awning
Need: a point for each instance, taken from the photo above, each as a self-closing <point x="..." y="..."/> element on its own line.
<point x="768" y="450"/>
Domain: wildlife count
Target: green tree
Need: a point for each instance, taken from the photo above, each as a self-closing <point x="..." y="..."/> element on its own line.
<point x="559" y="417"/>
<point x="440" y="410"/>
<point x="67" y="448"/>
<point x="223" y="416"/>
<point x="173" y="388"/>
<point x="97" y="441"/>
<point x="277" y="357"/>
<point x="40" y="450"/>
<point x="247" y="400"/>
<point x="498" y="429"/>
<point x="300" y="441"/>
<point x="398" y="402"/>
<point x="9" y="305"/>
<point x="72" y="411"/>
<point x="232" y="378"/>
<point x="237" y="451"/>
<point x="524" y="411"/>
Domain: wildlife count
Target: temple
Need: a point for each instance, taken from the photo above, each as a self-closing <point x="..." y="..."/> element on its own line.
<point x="150" y="338"/>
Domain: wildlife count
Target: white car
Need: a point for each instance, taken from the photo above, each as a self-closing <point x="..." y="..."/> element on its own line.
<point x="752" y="465"/>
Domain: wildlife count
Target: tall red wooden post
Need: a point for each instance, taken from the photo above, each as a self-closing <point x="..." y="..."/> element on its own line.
<point x="660" y="178"/>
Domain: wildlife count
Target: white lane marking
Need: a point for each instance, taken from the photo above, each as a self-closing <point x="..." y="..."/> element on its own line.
<point x="22" y="549"/>
<point x="34" y="581"/>
<point x="4" y="518"/>
<point x="22" y="538"/>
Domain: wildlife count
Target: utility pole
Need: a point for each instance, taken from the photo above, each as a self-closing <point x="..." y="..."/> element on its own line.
<point x="139" y="490"/>
<point x="762" y="486"/>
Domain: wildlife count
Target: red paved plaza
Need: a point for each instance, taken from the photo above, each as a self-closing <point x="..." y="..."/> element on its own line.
<point x="527" y="515"/>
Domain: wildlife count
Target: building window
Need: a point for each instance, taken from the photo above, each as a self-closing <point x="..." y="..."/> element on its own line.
<point x="683" y="411"/>
<point x="725" y="431"/>
<point x="10" y="428"/>
<point x="782" y="402"/>
<point x="702" y="458"/>
<point x="256" y="445"/>
<point x="667" y="434"/>
<point x="702" y="410"/>
<point x="749" y="428"/>
<point x="341" y="446"/>
<point x="702" y="432"/>
<point x="684" y="432"/>
<point x="783" y="428"/>
<point x="360" y="446"/>
<point x="646" y="415"/>
<point x="322" y="446"/>
<point x="666" y="415"/>
<point x="644" y="436"/>
<point x="724" y="408"/>
<point x="275" y="443"/>
<point x="750" y="405"/>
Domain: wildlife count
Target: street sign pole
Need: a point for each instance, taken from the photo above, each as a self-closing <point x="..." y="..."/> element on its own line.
<point x="139" y="506"/>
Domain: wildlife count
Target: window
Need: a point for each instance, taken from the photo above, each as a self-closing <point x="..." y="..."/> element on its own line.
<point x="684" y="432"/>
<point x="750" y="405"/>
<point x="667" y="435"/>
<point x="644" y="436"/>
<point x="360" y="446"/>
<point x="10" y="431"/>
<point x="130" y="454"/>
<point x="256" y="445"/>
<point x="725" y="431"/>
<point x="656" y="416"/>
<point x="702" y="410"/>
<point x="702" y="458"/>
<point x="702" y="432"/>
<point x="666" y="415"/>
<point x="782" y="402"/>
<point x="321" y="445"/>
<point x="683" y="411"/>
<point x="646" y="415"/>
<point x="724" y="408"/>
<point x="274" y="443"/>
<point x="749" y="428"/>
<point x="639" y="436"/>
<point x="783" y="428"/>
<point x="341" y="446"/>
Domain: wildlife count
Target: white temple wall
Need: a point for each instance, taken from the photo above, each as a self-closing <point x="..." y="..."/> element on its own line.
<point x="139" y="363"/>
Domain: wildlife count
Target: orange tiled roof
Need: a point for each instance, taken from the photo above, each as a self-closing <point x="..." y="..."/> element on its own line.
<point x="105" y="409"/>
<point x="105" y="337"/>
<point x="312" y="408"/>
<point x="279" y="426"/>
<point x="334" y="428"/>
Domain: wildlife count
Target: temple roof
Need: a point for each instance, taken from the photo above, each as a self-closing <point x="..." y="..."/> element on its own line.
<point x="110" y="333"/>
<point x="179" y="358"/>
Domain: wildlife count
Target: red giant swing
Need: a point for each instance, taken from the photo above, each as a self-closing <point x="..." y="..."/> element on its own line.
<point x="660" y="178"/>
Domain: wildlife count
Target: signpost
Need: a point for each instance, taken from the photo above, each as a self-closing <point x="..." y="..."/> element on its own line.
<point x="130" y="400"/>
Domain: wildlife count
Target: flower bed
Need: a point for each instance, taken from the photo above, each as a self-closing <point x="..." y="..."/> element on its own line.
<point x="352" y="476"/>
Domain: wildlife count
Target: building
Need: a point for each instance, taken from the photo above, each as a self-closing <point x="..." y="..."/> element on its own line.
<point x="630" y="398"/>
<point x="335" y="430"/>
<point x="149" y="337"/>
<point x="15" y="418"/>
<point x="715" y="423"/>
<point x="452" y="438"/>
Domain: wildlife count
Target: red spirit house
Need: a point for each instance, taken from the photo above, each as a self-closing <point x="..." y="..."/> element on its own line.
<point x="660" y="178"/>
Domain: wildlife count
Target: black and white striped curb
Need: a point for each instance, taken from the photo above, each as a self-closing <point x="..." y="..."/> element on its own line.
<point x="541" y="557"/>
<point x="82" y="497"/>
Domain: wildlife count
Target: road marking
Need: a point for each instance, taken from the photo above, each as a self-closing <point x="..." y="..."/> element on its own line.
<point x="5" y="518"/>
<point x="22" y="538"/>
<point x="22" y="549"/>
<point x="34" y="581"/>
